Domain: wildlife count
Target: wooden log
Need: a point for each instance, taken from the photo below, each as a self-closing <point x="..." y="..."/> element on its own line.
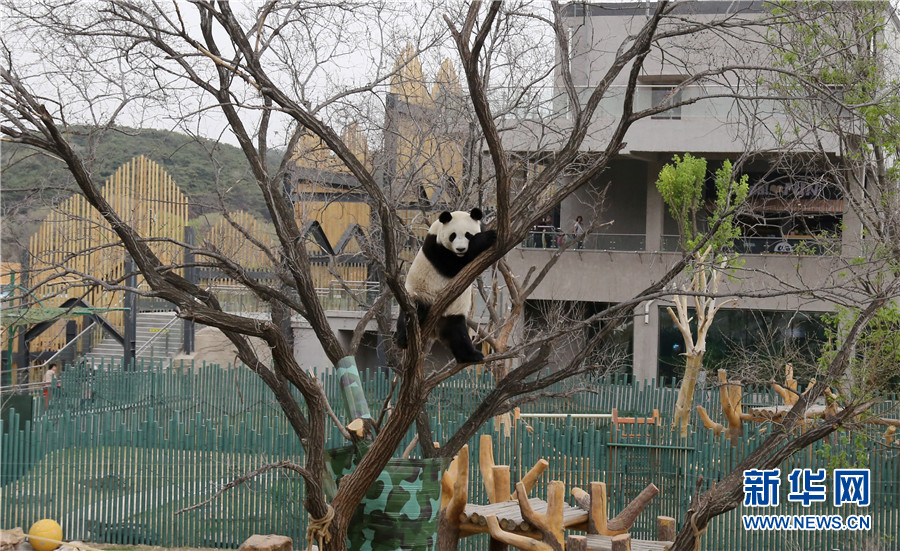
<point x="519" y="542"/>
<point x="576" y="543"/>
<point x="501" y="483"/>
<point x="455" y="482"/>
<point x="717" y="428"/>
<point x="791" y="383"/>
<point x="532" y="476"/>
<point x="460" y="496"/>
<point x="622" y="542"/>
<point x="599" y="516"/>
<point x="812" y="383"/>
<point x="549" y="524"/>
<point x="625" y="520"/>
<point x="598" y="513"/>
<point x="890" y="435"/>
<point x="486" y="465"/>
<point x="783" y="392"/>
<point x="595" y="504"/>
<point x="730" y="396"/>
<point x="665" y="528"/>
<point x="582" y="499"/>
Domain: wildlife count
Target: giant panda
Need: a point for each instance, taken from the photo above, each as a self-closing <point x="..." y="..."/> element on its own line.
<point x="453" y="241"/>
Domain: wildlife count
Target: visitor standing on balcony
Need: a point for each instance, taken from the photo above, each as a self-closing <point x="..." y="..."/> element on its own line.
<point x="548" y="233"/>
<point x="579" y="231"/>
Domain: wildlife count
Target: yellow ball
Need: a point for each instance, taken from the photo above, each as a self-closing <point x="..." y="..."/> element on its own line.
<point x="45" y="528"/>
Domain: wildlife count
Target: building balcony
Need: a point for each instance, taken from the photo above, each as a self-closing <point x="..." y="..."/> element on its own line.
<point x="702" y="118"/>
<point x="553" y="238"/>
<point x="703" y="102"/>
<point x="804" y="245"/>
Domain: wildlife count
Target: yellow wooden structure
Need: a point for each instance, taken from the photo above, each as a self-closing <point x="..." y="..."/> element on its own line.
<point x="74" y="248"/>
<point x="534" y="524"/>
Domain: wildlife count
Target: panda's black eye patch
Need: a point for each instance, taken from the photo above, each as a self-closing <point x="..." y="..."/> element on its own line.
<point x="468" y="235"/>
<point x="452" y="236"/>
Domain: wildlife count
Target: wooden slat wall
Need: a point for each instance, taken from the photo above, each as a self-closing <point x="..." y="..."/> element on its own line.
<point x="75" y="238"/>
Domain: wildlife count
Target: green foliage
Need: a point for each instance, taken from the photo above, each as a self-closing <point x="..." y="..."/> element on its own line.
<point x="875" y="365"/>
<point x="835" y="52"/>
<point x="681" y="186"/>
<point x="849" y="452"/>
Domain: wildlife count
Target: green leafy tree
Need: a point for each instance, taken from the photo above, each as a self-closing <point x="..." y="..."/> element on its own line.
<point x="709" y="240"/>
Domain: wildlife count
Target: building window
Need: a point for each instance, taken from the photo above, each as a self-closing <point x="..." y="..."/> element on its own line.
<point x="666" y="95"/>
<point x="749" y="341"/>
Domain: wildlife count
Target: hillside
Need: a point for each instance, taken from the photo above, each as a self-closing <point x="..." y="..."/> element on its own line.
<point x="30" y="182"/>
<point x="193" y="164"/>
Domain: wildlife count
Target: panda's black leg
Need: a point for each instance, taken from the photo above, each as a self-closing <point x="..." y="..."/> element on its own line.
<point x="401" y="335"/>
<point x="422" y="310"/>
<point x="453" y="332"/>
<point x="400" y="338"/>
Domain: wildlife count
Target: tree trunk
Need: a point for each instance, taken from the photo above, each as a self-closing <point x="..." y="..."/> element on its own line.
<point x="694" y="362"/>
<point x="448" y="534"/>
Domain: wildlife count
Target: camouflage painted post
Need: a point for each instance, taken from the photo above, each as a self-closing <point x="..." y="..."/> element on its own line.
<point x="400" y="511"/>
<point x="351" y="388"/>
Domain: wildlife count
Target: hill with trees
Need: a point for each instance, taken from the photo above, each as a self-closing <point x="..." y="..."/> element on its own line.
<point x="204" y="169"/>
<point x="210" y="173"/>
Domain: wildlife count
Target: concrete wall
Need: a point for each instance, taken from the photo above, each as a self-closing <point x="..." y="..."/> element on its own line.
<point x="622" y="209"/>
<point x="607" y="276"/>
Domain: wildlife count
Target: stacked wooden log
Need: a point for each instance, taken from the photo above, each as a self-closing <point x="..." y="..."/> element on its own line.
<point x="533" y="524"/>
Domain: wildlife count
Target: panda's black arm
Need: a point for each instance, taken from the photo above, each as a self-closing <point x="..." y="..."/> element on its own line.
<point x="479" y="243"/>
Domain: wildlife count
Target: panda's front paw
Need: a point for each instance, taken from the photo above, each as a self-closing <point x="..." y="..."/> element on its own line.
<point x="483" y="241"/>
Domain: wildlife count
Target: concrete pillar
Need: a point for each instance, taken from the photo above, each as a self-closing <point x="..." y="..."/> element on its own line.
<point x="656" y="209"/>
<point x="851" y="236"/>
<point x="646" y="340"/>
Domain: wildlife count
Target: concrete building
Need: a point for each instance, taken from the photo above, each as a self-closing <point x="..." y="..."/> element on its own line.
<point x="798" y="222"/>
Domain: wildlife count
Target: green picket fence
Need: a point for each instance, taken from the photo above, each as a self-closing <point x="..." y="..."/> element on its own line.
<point x="114" y="454"/>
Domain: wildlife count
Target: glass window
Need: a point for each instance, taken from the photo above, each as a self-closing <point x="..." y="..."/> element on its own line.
<point x="666" y="95"/>
<point x="762" y="341"/>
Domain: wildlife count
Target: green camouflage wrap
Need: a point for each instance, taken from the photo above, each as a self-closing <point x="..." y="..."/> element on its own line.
<point x="400" y="510"/>
<point x="351" y="388"/>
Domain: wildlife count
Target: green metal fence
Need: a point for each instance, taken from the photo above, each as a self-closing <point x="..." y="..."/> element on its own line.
<point x="114" y="454"/>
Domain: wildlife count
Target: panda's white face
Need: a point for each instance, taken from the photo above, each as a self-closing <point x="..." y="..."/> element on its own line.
<point x="454" y="230"/>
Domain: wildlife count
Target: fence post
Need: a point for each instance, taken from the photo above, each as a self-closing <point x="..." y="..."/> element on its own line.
<point x="130" y="332"/>
<point x="190" y="273"/>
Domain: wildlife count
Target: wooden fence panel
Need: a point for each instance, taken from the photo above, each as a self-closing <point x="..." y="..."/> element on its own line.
<point x="114" y="465"/>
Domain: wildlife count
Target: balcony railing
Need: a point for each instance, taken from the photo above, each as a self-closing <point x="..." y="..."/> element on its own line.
<point x="796" y="245"/>
<point x="553" y="238"/>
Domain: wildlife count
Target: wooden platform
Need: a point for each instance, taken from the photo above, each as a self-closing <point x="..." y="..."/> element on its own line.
<point x="510" y="516"/>
<point x="776" y="413"/>
<point x="604" y="543"/>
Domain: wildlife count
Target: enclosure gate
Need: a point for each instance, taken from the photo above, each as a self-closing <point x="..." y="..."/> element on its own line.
<point x="639" y="455"/>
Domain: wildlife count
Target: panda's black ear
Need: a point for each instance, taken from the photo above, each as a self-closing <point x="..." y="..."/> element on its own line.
<point x="445" y="217"/>
<point x="476" y="214"/>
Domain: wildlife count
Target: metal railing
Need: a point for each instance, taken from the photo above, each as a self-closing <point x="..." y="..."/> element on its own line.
<point x="553" y="238"/>
<point x="337" y="296"/>
<point x="164" y="333"/>
<point x="80" y="345"/>
<point x="795" y="245"/>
